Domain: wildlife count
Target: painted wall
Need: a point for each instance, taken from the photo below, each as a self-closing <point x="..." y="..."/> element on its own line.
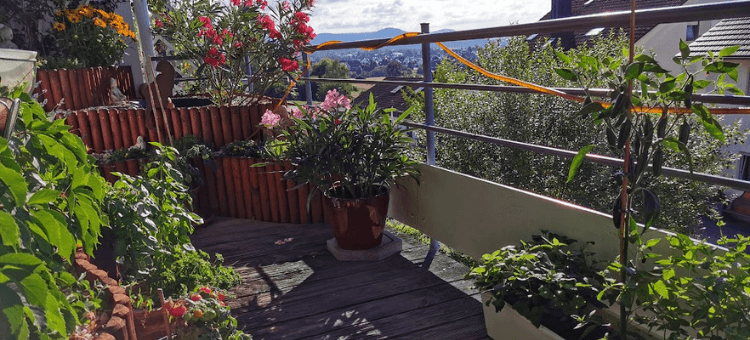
<point x="476" y="216"/>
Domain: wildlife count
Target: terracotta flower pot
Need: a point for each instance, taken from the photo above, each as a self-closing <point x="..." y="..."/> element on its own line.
<point x="358" y="223"/>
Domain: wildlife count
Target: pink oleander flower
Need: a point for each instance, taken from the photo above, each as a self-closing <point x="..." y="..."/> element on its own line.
<point x="301" y="17"/>
<point x="262" y="3"/>
<point x="158" y="23"/>
<point x="310" y="3"/>
<point x="237" y="2"/>
<point x="237" y="44"/>
<point x="218" y="40"/>
<point x="288" y="65"/>
<point x="270" y="119"/>
<point x="285" y="5"/>
<point x="266" y="23"/>
<point x="334" y="100"/>
<point x="206" y="22"/>
<point x="214" y="58"/>
<point x="297" y="113"/>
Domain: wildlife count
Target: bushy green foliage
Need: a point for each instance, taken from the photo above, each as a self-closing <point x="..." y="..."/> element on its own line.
<point x="330" y="68"/>
<point x="699" y="287"/>
<point x="551" y="121"/>
<point x="546" y="274"/>
<point x="51" y="195"/>
<point x="180" y="271"/>
<point x="149" y="213"/>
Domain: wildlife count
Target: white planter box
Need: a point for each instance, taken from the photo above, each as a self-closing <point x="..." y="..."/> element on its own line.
<point x="17" y="66"/>
<point x="510" y="325"/>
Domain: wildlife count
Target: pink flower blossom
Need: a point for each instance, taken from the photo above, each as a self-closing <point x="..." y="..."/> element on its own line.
<point x="310" y="3"/>
<point x="266" y="23"/>
<point x="214" y="58"/>
<point x="262" y="3"/>
<point x="236" y="2"/>
<point x="285" y="5"/>
<point x="270" y="119"/>
<point x="288" y="65"/>
<point x="158" y="23"/>
<point x="297" y="113"/>
<point x="301" y="17"/>
<point x="237" y="44"/>
<point x="334" y="100"/>
<point x="206" y="22"/>
<point x="218" y="40"/>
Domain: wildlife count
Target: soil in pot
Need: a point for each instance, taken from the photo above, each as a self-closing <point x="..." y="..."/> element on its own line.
<point x="357" y="223"/>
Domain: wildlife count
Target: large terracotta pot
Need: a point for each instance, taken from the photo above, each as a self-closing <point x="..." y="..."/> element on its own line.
<point x="357" y="223"/>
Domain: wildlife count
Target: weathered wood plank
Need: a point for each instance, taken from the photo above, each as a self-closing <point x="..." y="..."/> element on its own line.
<point x="292" y="288"/>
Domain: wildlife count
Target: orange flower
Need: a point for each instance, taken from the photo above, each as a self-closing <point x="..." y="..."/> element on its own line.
<point x="100" y="23"/>
<point x="58" y="26"/>
<point x="74" y="18"/>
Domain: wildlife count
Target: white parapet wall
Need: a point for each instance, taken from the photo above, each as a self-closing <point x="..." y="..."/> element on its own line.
<point x="476" y="216"/>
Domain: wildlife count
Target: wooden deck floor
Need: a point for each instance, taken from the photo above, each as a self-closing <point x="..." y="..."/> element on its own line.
<point x="293" y="288"/>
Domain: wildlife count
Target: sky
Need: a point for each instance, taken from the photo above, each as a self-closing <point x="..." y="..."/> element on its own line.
<point x="355" y="16"/>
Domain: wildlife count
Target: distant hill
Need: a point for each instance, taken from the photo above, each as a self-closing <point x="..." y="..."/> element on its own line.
<point x="390" y="33"/>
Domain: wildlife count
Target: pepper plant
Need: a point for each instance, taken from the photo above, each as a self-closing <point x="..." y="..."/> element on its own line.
<point x="647" y="126"/>
<point x="51" y="195"/>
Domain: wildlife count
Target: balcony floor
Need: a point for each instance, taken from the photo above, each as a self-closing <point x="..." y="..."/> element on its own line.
<point x="293" y="288"/>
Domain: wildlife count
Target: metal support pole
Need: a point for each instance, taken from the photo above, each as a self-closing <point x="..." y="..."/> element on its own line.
<point x="308" y="85"/>
<point x="429" y="109"/>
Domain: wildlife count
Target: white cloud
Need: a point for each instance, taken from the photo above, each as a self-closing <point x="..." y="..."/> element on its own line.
<point x="353" y="16"/>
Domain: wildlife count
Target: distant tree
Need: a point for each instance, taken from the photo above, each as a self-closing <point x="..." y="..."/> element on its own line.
<point x="395" y="69"/>
<point x="330" y="68"/>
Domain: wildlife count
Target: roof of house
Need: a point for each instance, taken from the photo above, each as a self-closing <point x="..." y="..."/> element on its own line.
<point x="586" y="7"/>
<point x="727" y="32"/>
<point x="387" y="96"/>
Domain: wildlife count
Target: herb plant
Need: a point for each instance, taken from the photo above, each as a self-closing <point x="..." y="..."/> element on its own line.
<point x="546" y="276"/>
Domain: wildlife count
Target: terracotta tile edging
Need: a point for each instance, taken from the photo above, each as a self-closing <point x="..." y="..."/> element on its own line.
<point x="121" y="325"/>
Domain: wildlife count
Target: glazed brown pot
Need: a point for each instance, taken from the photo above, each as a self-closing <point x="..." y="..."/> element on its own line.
<point x="357" y="223"/>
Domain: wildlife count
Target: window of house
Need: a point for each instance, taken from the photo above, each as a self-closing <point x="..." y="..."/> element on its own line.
<point x="744" y="173"/>
<point x="691" y="33"/>
<point x="594" y="31"/>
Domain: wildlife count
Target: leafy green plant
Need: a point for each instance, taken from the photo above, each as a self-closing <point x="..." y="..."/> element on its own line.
<point x="180" y="271"/>
<point x="343" y="151"/>
<point x="699" y="291"/>
<point x="190" y="149"/>
<point x="125" y="154"/>
<point x="51" y="196"/>
<point x="645" y="127"/>
<point x="243" y="148"/>
<point x="546" y="276"/>
<point x="149" y="213"/>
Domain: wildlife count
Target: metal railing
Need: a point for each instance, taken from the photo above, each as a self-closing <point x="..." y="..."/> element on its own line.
<point x="653" y="16"/>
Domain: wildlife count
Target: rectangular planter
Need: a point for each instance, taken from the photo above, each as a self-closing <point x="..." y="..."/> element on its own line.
<point x="510" y="325"/>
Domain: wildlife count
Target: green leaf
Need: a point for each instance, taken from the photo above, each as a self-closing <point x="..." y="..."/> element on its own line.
<point x="15" y="183"/>
<point x="44" y="196"/>
<point x="684" y="49"/>
<point x="9" y="231"/>
<point x="727" y="51"/>
<point x="567" y="74"/>
<point x="590" y="108"/>
<point x="20" y="259"/>
<point x="577" y="160"/>
<point x="652" y="242"/>
<point x="633" y="71"/>
<point x="660" y="288"/>
<point x="668" y="273"/>
<point x="562" y="56"/>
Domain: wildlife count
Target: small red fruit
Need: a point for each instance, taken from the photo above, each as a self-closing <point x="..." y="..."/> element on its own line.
<point x="195" y="297"/>
<point x="198" y="313"/>
<point x="178" y="311"/>
<point x="221" y="296"/>
<point x="206" y="290"/>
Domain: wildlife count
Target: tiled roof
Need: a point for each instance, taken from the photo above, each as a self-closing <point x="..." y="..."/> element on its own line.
<point x="728" y="32"/>
<point x="586" y="7"/>
<point x="387" y="96"/>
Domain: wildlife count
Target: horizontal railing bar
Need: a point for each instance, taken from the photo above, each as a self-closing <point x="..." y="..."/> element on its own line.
<point x="652" y="16"/>
<point x="610" y="161"/>
<point x="597" y="92"/>
<point x="171" y="57"/>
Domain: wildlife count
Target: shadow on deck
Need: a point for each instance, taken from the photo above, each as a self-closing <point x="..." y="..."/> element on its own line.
<point x="293" y="288"/>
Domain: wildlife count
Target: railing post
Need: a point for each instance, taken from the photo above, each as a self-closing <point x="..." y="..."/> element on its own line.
<point x="429" y="109"/>
<point x="308" y="85"/>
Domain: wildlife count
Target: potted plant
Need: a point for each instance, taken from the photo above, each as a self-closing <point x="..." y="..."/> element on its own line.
<point x="351" y="155"/>
<point x="549" y="282"/>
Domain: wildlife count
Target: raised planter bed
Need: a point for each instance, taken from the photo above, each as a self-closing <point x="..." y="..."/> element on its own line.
<point x="82" y="88"/>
